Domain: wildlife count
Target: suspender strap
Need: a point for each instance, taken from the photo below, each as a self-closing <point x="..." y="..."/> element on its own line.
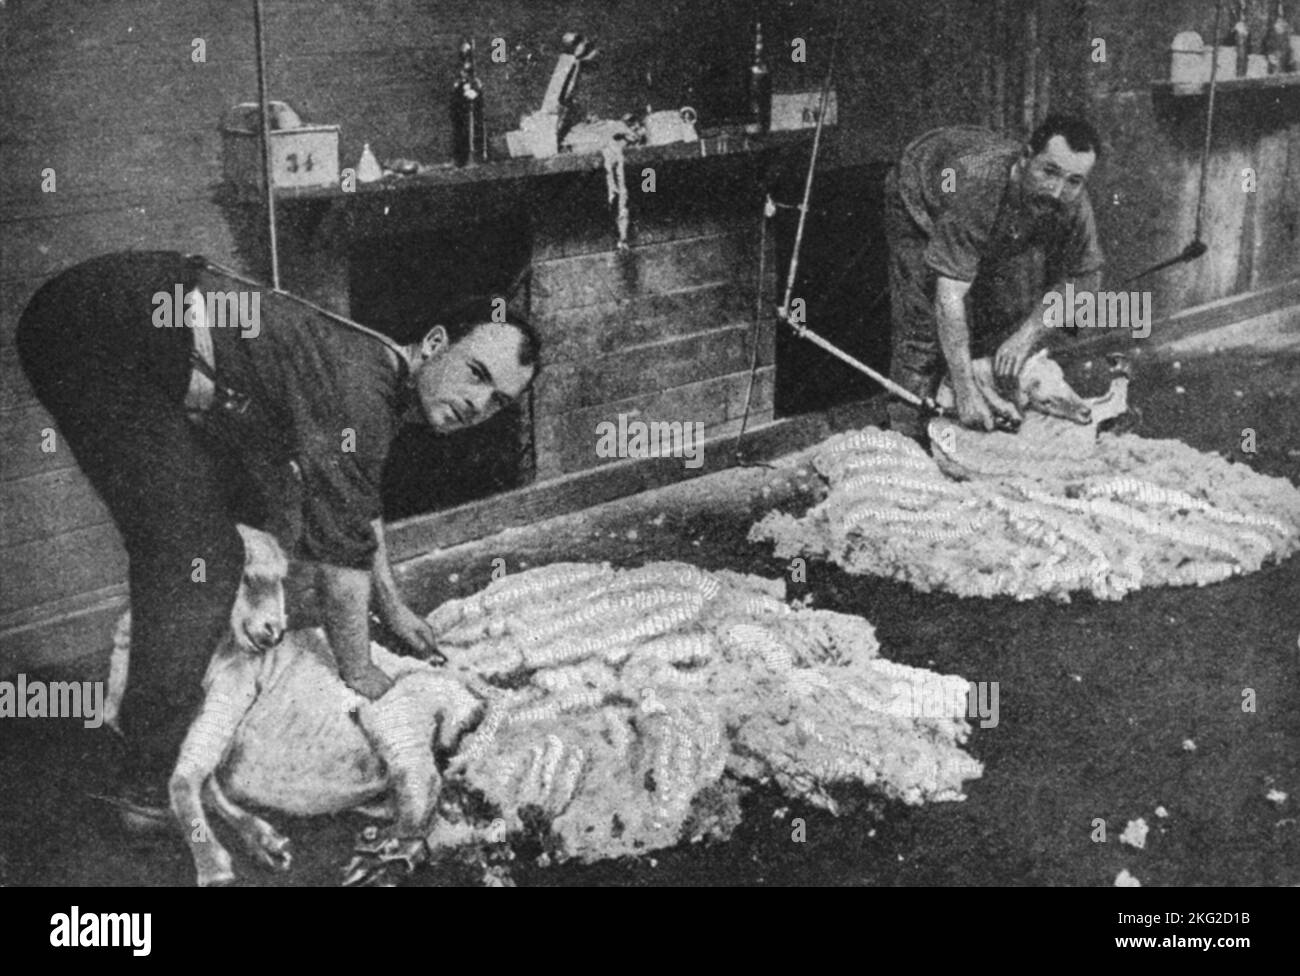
<point x="207" y="388"/>
<point x="332" y="316"/>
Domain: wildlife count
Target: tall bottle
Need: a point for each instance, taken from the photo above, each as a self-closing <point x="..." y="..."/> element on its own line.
<point x="1277" y="41"/>
<point x="468" y="137"/>
<point x="759" y="116"/>
<point x="1239" y="37"/>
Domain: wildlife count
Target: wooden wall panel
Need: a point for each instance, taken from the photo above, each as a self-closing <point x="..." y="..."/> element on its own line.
<point x="1276" y="238"/>
<point x="38" y="248"/>
<point x="48" y="505"/>
<point x="698" y="197"/>
<point x="610" y="276"/>
<point x="60" y="567"/>
<point x="15" y="391"/>
<point x="653" y="366"/>
<point x="604" y="329"/>
<point x="566" y="442"/>
<point x="22" y="437"/>
<point x="65" y="633"/>
<point x="14" y="296"/>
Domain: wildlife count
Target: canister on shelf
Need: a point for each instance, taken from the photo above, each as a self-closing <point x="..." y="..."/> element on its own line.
<point x="1189" y="62"/>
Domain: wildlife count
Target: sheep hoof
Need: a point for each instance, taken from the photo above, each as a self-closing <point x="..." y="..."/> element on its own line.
<point x="272" y="849"/>
<point x="214" y="869"/>
<point x="382" y="862"/>
<point x="218" y="881"/>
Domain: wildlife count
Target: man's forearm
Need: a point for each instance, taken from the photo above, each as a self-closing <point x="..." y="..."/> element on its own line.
<point x="383" y="584"/>
<point x="954" y="333"/>
<point x="408" y="626"/>
<point x="346" y="602"/>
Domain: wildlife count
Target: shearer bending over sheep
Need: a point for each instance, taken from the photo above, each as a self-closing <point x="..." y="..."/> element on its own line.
<point x="284" y="423"/>
<point x="967" y="213"/>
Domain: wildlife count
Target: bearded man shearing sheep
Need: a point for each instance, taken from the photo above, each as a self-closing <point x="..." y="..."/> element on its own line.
<point x="965" y="209"/>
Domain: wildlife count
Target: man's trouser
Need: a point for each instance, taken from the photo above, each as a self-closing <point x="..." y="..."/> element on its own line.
<point x="916" y="362"/>
<point x="998" y="301"/>
<point x="116" y="394"/>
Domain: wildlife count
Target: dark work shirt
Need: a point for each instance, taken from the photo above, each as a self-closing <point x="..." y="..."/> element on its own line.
<point x="333" y="398"/>
<point x="326" y="398"/>
<point x="955" y="185"/>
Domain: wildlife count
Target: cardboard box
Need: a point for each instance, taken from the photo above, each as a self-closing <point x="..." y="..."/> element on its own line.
<point x="303" y="156"/>
<point x="798" y="110"/>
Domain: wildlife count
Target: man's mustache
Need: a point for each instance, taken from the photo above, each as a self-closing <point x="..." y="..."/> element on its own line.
<point x="1049" y="204"/>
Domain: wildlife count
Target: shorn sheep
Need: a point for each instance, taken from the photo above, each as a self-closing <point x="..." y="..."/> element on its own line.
<point x="613" y="711"/>
<point x="279" y="729"/>
<point x="1054" y="509"/>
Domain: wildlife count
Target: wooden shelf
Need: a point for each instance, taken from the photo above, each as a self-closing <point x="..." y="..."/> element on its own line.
<point x="1228" y="86"/>
<point x="525" y="168"/>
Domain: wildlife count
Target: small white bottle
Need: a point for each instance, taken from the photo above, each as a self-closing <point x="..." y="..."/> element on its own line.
<point x="368" y="169"/>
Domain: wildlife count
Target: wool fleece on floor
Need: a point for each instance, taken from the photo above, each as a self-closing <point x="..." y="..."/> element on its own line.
<point x="1053" y="510"/>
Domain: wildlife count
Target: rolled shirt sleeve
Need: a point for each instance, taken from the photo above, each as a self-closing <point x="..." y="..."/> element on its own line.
<point x="963" y="229"/>
<point x="955" y="248"/>
<point x="341" y="497"/>
<point x="346" y="421"/>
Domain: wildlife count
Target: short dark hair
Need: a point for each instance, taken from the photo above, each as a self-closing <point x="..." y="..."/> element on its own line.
<point x="1077" y="131"/>
<point x="462" y="319"/>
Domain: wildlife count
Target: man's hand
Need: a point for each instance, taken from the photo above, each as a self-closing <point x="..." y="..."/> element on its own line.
<point x="1010" y="358"/>
<point x="413" y="630"/>
<point x="980" y="406"/>
<point x="367" y="680"/>
<point x="1003" y="409"/>
<point x="972" y="409"/>
<point x="404" y="622"/>
<point x="346" y="597"/>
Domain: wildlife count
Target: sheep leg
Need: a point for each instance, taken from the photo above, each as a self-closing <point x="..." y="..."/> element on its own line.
<point x="262" y="841"/>
<point x="118" y="669"/>
<point x="400" y="727"/>
<point x="1113" y="402"/>
<point x="231" y="689"/>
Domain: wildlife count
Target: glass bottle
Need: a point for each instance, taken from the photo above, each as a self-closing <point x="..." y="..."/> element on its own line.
<point x="759" y="118"/>
<point x="468" y="137"/>
<point x="1239" y="37"/>
<point x="1277" y="42"/>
